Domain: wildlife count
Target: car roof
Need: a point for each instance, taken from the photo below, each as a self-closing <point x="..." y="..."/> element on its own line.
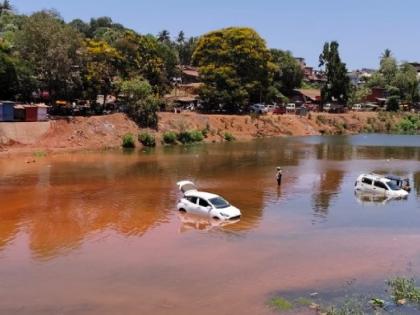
<point x="376" y="177"/>
<point x="201" y="194"/>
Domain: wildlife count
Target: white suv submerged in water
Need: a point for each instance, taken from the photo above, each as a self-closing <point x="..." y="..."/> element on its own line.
<point x="377" y="184"/>
<point x="204" y="203"/>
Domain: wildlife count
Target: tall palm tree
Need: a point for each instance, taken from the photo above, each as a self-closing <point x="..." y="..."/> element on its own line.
<point x="386" y="54"/>
<point x="164" y="36"/>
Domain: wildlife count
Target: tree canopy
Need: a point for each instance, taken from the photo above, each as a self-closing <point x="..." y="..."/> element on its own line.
<point x="235" y="66"/>
<point x="337" y="87"/>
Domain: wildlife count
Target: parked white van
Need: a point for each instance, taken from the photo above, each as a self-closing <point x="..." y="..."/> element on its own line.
<point x="378" y="184"/>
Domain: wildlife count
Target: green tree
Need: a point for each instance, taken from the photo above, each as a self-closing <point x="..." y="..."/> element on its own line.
<point x="8" y="76"/>
<point x="102" y="64"/>
<point x="289" y="75"/>
<point x="5" y="6"/>
<point x="52" y="49"/>
<point x="358" y="94"/>
<point x="407" y="83"/>
<point x="388" y="67"/>
<point x="143" y="106"/>
<point x="393" y="101"/>
<point x="234" y="64"/>
<point x="337" y="86"/>
<point x="80" y="26"/>
<point x="164" y="36"/>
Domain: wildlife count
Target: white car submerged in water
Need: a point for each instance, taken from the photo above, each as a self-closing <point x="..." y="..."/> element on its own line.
<point x="204" y="203"/>
<point x="380" y="185"/>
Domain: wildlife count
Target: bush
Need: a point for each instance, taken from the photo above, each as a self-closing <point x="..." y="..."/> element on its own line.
<point x="169" y="137"/>
<point x="196" y="136"/>
<point x="228" y="136"/>
<point x="147" y="139"/>
<point x="190" y="136"/>
<point x="128" y="141"/>
<point x="393" y="104"/>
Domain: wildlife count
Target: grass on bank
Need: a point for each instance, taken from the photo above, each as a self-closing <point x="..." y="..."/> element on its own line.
<point x="147" y="139"/>
<point x="128" y="141"/>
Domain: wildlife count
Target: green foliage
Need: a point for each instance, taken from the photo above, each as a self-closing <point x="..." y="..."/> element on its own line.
<point x="128" y="141"/>
<point x="409" y="124"/>
<point x="103" y="62"/>
<point x="280" y="304"/>
<point x="228" y="136"/>
<point x="191" y="136"/>
<point x="196" y="136"/>
<point x="337" y="87"/>
<point x="388" y="67"/>
<point x="52" y="49"/>
<point x="393" y="103"/>
<point x="135" y="89"/>
<point x="234" y="64"/>
<point x="169" y="137"/>
<point x="289" y="75"/>
<point x="147" y="139"/>
<point x="358" y="95"/>
<point x="407" y="83"/>
<point x="403" y="288"/>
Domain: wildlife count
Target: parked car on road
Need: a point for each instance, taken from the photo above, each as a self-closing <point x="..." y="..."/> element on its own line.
<point x="204" y="203"/>
<point x="358" y="107"/>
<point x="279" y="110"/>
<point x="291" y="107"/>
<point x="259" y="109"/>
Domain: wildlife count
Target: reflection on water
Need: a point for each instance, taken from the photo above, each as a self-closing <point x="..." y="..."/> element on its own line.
<point x="105" y="226"/>
<point x="366" y="198"/>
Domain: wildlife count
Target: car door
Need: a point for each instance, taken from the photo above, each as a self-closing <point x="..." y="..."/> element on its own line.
<point x="203" y="206"/>
<point x="380" y="187"/>
<point x="192" y="204"/>
<point x="367" y="184"/>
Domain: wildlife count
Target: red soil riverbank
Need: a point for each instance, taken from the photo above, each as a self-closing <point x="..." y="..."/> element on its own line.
<point x="103" y="132"/>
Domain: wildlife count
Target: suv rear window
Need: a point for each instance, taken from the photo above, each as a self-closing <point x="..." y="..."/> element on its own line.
<point x="203" y="202"/>
<point x="380" y="185"/>
<point x="366" y="181"/>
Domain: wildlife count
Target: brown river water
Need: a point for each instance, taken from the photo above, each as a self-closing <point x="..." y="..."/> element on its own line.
<point x="99" y="233"/>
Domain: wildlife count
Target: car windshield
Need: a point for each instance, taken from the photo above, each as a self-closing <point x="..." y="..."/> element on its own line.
<point x="219" y="202"/>
<point x="393" y="185"/>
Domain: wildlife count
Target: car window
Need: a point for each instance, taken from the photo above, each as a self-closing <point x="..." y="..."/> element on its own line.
<point x="192" y="199"/>
<point x="203" y="202"/>
<point x="380" y="185"/>
<point x="366" y="181"/>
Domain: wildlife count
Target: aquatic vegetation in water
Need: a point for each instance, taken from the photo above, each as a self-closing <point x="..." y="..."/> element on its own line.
<point x="280" y="304"/>
<point x="350" y="307"/>
<point x="403" y="288"/>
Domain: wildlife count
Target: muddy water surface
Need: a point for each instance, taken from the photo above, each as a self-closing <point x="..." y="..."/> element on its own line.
<point x="98" y="233"/>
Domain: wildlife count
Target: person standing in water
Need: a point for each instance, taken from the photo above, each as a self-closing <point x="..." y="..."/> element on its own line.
<point x="279" y="175"/>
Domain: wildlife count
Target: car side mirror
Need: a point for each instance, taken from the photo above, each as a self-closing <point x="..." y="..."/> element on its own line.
<point x="209" y="208"/>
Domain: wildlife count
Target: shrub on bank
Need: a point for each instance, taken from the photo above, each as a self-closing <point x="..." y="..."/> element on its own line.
<point x="228" y="136"/>
<point x="186" y="137"/>
<point x="147" y="139"/>
<point x="128" y="141"/>
<point x="169" y="137"/>
<point x="196" y="136"/>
